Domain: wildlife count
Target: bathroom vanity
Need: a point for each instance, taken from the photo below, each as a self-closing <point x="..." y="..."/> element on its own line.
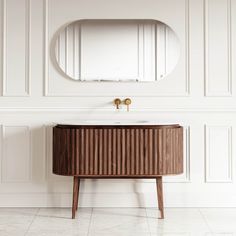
<point x="117" y="151"/>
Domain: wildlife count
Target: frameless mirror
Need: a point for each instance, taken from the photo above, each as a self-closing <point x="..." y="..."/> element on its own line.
<point x="117" y="50"/>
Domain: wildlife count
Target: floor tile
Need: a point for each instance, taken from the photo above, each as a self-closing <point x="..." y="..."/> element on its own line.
<point x="57" y="221"/>
<point x="16" y="221"/>
<point x="58" y="226"/>
<point x="221" y="234"/>
<point x="16" y="211"/>
<point x="178" y="221"/>
<point x="220" y="220"/>
<point x="119" y="221"/>
<point x="84" y="212"/>
<point x="118" y="233"/>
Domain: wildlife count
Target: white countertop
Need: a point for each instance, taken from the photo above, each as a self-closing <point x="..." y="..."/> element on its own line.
<point x="115" y="122"/>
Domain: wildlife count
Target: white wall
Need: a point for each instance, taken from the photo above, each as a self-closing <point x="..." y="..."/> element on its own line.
<point x="199" y="94"/>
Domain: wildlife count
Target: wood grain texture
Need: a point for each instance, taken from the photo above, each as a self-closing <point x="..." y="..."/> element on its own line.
<point x="117" y="151"/>
<point x="77" y="202"/>
<point x="160" y="196"/>
<point x="75" y="196"/>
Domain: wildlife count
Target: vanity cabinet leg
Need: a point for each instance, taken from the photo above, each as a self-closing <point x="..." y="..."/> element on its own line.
<point x="75" y="196"/>
<point x="160" y="195"/>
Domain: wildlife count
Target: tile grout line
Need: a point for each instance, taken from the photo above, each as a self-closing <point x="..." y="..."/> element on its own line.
<point x="32" y="221"/>
<point x="149" y="229"/>
<point x="90" y="220"/>
<point x="204" y="218"/>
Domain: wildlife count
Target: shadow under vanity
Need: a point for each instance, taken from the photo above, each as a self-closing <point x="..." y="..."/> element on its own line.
<point x="117" y="151"/>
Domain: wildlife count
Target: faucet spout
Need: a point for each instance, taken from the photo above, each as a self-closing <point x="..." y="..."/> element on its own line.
<point x="117" y="102"/>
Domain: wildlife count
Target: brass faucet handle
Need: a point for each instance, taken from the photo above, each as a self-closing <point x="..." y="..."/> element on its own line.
<point x="127" y="102"/>
<point x="117" y="102"/>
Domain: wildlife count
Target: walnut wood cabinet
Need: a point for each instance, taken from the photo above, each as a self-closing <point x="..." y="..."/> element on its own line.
<point x="117" y="151"/>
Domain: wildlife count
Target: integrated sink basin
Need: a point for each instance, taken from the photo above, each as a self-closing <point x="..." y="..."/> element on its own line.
<point x="114" y="122"/>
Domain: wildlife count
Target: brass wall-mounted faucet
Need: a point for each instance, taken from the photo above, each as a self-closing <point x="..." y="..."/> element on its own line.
<point x="117" y="102"/>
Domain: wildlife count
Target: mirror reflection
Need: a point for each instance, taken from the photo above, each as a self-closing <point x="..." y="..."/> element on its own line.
<point x="117" y="50"/>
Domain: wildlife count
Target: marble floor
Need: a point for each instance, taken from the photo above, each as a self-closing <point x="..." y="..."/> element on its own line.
<point x="117" y="221"/>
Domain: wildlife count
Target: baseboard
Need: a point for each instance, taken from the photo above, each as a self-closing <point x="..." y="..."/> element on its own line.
<point x="112" y="200"/>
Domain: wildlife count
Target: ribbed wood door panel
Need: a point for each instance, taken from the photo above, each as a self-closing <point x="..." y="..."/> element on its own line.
<point x="117" y="152"/>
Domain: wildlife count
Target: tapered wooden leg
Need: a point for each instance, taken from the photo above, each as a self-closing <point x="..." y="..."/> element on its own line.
<point x="75" y="196"/>
<point x="160" y="196"/>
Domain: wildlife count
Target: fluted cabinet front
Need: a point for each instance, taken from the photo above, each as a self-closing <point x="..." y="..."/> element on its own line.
<point x="117" y="151"/>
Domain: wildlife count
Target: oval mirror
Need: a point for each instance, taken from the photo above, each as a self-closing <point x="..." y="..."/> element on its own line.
<point x="117" y="50"/>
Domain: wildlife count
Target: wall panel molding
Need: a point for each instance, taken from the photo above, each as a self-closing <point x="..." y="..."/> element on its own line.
<point x="1" y="150"/>
<point x="16" y="76"/>
<point x="16" y="154"/>
<point x="187" y="49"/>
<point x="50" y="92"/>
<point x="88" y="109"/>
<point x="218" y="154"/>
<point x="46" y="47"/>
<point x="3" y="44"/>
<point x="217" y="48"/>
<point x="28" y="49"/>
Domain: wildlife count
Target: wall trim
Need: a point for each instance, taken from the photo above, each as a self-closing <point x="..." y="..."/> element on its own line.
<point x="85" y="109"/>
<point x="187" y="48"/>
<point x="1" y="150"/>
<point x="27" y="51"/>
<point x="29" y="178"/>
<point x="3" y="46"/>
<point x="48" y="93"/>
<point x="135" y="199"/>
<point x="207" y="154"/>
<point x="45" y="47"/>
<point x="207" y="91"/>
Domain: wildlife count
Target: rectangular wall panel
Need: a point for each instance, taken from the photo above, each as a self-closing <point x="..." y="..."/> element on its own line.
<point x="1" y="151"/>
<point x="218" y="154"/>
<point x="16" y="166"/>
<point x="38" y="153"/>
<point x="218" y="48"/>
<point x="55" y="83"/>
<point x="1" y="45"/>
<point x="16" y="37"/>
